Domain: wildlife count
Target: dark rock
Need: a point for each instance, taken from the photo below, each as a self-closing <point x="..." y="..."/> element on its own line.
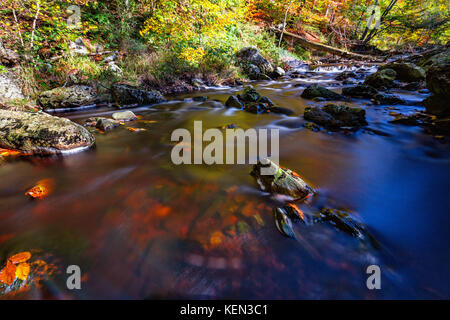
<point x="249" y="95"/>
<point x="233" y="102"/>
<point x="283" y="223"/>
<point x="41" y="133"/>
<point x="409" y="120"/>
<point x="123" y="94"/>
<point x="381" y="98"/>
<point x="200" y="98"/>
<point x="315" y="90"/>
<point x="438" y="82"/>
<point x="281" y="110"/>
<point x="336" y="116"/>
<point x="8" y="57"/>
<point x="68" y="97"/>
<point x="406" y="71"/>
<point x="381" y="78"/>
<point x="274" y="179"/>
<point x="345" y="75"/>
<point x="249" y="58"/>
<point x="360" y="91"/>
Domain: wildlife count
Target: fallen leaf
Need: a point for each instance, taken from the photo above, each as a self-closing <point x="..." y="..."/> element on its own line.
<point x="8" y="274"/>
<point x="22" y="271"/>
<point x="41" y="190"/>
<point x="20" y="257"/>
<point x="136" y="129"/>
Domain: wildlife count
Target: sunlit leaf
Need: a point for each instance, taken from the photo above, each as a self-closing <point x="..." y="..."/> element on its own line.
<point x="8" y="274"/>
<point x="22" y="271"/>
<point x="41" y="190"/>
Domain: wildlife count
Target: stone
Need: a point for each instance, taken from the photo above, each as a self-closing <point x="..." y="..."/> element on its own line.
<point x="249" y="58"/>
<point x="314" y="90"/>
<point x="406" y="71"/>
<point x="123" y="95"/>
<point x="68" y="97"/>
<point x="105" y="124"/>
<point x="124" y="116"/>
<point x="233" y="102"/>
<point x="280" y="181"/>
<point x="438" y="82"/>
<point x="336" y="116"/>
<point x="381" y="78"/>
<point x="41" y="133"/>
<point x="10" y="87"/>
<point x="360" y="91"/>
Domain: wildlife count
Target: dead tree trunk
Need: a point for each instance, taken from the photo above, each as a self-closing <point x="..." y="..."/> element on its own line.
<point x="322" y="47"/>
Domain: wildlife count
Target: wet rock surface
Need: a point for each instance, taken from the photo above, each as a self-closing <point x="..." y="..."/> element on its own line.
<point x="256" y="66"/>
<point x="316" y="91"/>
<point x="41" y="133"/>
<point x="125" y="95"/>
<point x="274" y="179"/>
<point x="336" y="116"/>
<point x="381" y="79"/>
<point x="360" y="91"/>
<point x="406" y="71"/>
<point x="438" y="82"/>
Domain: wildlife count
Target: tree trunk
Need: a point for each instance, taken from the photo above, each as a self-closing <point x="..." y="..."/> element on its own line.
<point x="322" y="47"/>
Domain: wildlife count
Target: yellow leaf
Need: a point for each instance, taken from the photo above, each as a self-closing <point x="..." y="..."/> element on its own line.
<point x="22" y="271"/>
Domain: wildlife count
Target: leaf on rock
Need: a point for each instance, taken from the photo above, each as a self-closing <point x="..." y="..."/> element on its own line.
<point x="20" y="257"/>
<point x="8" y="274"/>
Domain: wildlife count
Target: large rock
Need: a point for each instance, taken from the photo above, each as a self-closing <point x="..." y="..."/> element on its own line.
<point x="440" y="58"/>
<point x="10" y="87"/>
<point x="41" y="133"/>
<point x="336" y="116"/>
<point x="406" y="71"/>
<point x="316" y="91"/>
<point x="360" y="91"/>
<point x="251" y="101"/>
<point x="124" y="95"/>
<point x="256" y="66"/>
<point x="438" y="82"/>
<point x="68" y="97"/>
<point x="381" y="78"/>
<point x="8" y="57"/>
<point x="272" y="178"/>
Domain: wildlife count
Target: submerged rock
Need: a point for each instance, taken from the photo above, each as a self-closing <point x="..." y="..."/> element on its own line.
<point x="233" y="102"/>
<point x="123" y="95"/>
<point x="316" y="91"/>
<point x="106" y="124"/>
<point x="381" y="98"/>
<point x="41" y="133"/>
<point x="360" y="91"/>
<point x="406" y="71"/>
<point x="381" y="78"/>
<point x="68" y="97"/>
<point x="336" y="116"/>
<point x="274" y="179"/>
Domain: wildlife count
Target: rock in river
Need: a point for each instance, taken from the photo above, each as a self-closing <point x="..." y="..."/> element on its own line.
<point x="360" y="91"/>
<point x="41" y="133"/>
<point x="68" y="97"/>
<point x="316" y="91"/>
<point x="124" y="116"/>
<point x="336" y="116"/>
<point x="438" y="82"/>
<point x="406" y="71"/>
<point x="381" y="78"/>
<point x="123" y="95"/>
<point x="256" y="66"/>
<point x="272" y="178"/>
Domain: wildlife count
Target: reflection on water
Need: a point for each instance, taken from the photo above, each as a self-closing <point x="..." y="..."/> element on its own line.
<point x="141" y="227"/>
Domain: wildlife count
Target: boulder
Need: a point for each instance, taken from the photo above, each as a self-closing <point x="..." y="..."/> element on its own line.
<point x="255" y="65"/>
<point x="68" y="97"/>
<point x="106" y="124"/>
<point x="233" y="102"/>
<point x="124" y="116"/>
<point x="41" y="133"/>
<point x="274" y="179"/>
<point x="438" y="82"/>
<point x="316" y="91"/>
<point x="336" y="116"/>
<point x="381" y="78"/>
<point x="360" y="91"/>
<point x="10" y="87"/>
<point x="8" y="57"/>
<point x="123" y="95"/>
<point x="406" y="71"/>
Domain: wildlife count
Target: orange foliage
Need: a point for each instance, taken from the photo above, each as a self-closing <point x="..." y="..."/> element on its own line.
<point x="8" y="274"/>
<point x="20" y="257"/>
<point x="41" y="190"/>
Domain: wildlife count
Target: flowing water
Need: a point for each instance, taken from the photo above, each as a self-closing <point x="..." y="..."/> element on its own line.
<point x="141" y="227"/>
